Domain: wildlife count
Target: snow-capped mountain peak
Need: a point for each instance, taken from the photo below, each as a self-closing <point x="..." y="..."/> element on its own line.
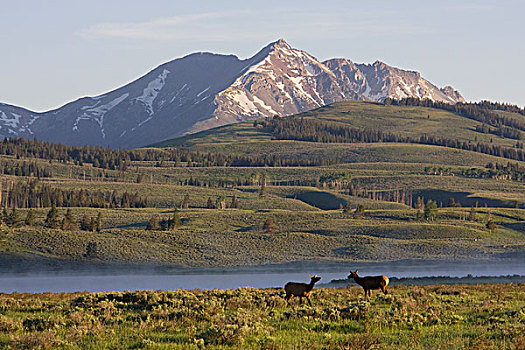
<point x="205" y="90"/>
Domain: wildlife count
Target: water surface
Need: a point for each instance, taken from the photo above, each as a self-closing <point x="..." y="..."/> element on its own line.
<point x="259" y="277"/>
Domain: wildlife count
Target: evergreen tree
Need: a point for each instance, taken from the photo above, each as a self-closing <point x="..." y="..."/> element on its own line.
<point x="164" y="225"/>
<point x="153" y="223"/>
<point x="269" y="226"/>
<point x="430" y="210"/>
<point x="220" y="203"/>
<point x="348" y="208"/>
<point x="68" y="221"/>
<point x="262" y="192"/>
<point x="92" y="224"/>
<point x="210" y="205"/>
<point x="5" y="216"/>
<point x="30" y="218"/>
<point x="472" y="216"/>
<point x="359" y="211"/>
<point x="175" y="220"/>
<point x="490" y="225"/>
<point x="235" y="202"/>
<point x="186" y="202"/>
<point x="52" y="220"/>
<point x="85" y="223"/>
<point x="14" y="219"/>
<point x="419" y="215"/>
<point x="99" y="222"/>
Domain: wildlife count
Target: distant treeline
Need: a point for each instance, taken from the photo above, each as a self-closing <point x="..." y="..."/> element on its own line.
<point x="294" y="128"/>
<point x="483" y="111"/>
<point x="107" y="158"/>
<point x="33" y="194"/>
<point x="24" y="169"/>
<point x="509" y="171"/>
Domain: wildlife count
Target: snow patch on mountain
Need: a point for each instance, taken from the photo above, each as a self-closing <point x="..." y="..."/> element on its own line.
<point x="97" y="113"/>
<point x="263" y="105"/>
<point x="181" y="90"/>
<point x="149" y="94"/>
<point x="11" y="122"/>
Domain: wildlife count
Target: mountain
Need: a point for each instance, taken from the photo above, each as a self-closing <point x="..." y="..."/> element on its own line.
<point x="204" y="90"/>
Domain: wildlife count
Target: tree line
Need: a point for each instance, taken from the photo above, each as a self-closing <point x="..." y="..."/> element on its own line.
<point x="484" y="111"/>
<point x="302" y="129"/>
<point x="34" y="194"/>
<point x="106" y="158"/>
<point x="53" y="220"/>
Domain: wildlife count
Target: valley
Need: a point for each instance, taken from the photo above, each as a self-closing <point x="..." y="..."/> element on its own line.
<point x="245" y="198"/>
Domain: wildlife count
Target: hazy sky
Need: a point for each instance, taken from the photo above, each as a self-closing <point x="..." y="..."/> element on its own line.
<point x="55" y="51"/>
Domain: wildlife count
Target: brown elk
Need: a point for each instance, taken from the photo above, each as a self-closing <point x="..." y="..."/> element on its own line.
<point x="370" y="282"/>
<point x="300" y="289"/>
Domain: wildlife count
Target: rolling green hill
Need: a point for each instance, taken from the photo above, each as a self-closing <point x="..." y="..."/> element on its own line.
<point x="312" y="207"/>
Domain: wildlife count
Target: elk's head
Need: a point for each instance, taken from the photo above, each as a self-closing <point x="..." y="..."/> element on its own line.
<point x="353" y="274"/>
<point x="314" y="279"/>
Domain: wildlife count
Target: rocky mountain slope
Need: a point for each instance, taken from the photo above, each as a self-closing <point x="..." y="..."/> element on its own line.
<point x="205" y="90"/>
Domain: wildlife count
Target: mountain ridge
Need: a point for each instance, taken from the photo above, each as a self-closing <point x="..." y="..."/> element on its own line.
<point x="204" y="90"/>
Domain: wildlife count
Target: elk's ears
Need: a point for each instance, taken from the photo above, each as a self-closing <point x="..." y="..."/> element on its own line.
<point x="310" y="276"/>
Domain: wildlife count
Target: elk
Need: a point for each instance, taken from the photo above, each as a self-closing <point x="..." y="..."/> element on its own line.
<point x="370" y="282"/>
<point x="300" y="289"/>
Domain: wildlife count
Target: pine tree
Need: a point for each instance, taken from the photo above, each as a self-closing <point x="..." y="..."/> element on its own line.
<point x="472" y="216"/>
<point x="14" y="218"/>
<point x="30" y="218"/>
<point x="359" y="211"/>
<point x="92" y="224"/>
<point x="186" y="202"/>
<point x="262" y="192"/>
<point x="164" y="224"/>
<point x="99" y="222"/>
<point x="5" y="216"/>
<point x="175" y="220"/>
<point x="85" y="223"/>
<point x="52" y="220"/>
<point x="220" y="203"/>
<point x="235" y="202"/>
<point x="348" y="208"/>
<point x="153" y="223"/>
<point x="269" y="226"/>
<point x="68" y="221"/>
<point x="210" y="205"/>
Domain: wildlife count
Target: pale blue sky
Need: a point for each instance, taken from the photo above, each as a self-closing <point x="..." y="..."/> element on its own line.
<point x="56" y="51"/>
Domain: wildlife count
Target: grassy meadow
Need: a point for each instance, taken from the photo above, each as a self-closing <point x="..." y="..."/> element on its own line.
<point x="484" y="316"/>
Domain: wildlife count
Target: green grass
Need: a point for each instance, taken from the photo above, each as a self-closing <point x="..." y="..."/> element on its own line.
<point x="305" y="209"/>
<point x="404" y="120"/>
<point x="489" y="316"/>
<point x="235" y="237"/>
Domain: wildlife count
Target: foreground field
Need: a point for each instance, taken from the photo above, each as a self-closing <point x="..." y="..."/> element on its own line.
<point x="488" y="316"/>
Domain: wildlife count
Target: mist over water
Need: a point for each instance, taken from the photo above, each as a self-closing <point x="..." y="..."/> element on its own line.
<point x="257" y="277"/>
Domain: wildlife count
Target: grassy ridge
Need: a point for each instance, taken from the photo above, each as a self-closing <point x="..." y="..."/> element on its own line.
<point x="429" y="317"/>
